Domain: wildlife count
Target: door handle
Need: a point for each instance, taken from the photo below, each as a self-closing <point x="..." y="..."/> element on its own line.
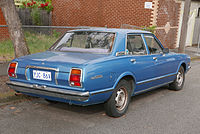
<point x="133" y="60"/>
<point x="154" y="58"/>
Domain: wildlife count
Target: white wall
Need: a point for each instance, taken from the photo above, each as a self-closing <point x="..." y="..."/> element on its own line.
<point x="192" y="27"/>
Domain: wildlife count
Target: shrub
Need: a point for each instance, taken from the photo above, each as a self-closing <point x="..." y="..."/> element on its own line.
<point x="38" y="4"/>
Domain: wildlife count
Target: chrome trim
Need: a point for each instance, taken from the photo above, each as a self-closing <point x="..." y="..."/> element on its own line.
<point x="120" y="53"/>
<point x="46" y="68"/>
<point x="15" y="69"/>
<point x="157" y="41"/>
<point x="101" y="91"/>
<point x="26" y="74"/>
<point x="52" y="48"/>
<point x="158" y="78"/>
<point x="80" y="77"/>
<point x="138" y="92"/>
<point x="133" y="60"/>
<point x="113" y="43"/>
<point x="49" y="91"/>
<point x="56" y="75"/>
<point x="96" y="77"/>
<point x="155" y="58"/>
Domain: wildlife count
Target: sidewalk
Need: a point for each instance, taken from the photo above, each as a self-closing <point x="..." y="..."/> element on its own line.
<point x="191" y="51"/>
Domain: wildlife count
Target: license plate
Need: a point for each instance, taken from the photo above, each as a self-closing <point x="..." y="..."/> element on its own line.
<point x="42" y="75"/>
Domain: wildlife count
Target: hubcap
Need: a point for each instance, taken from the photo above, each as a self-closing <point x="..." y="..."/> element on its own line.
<point x="121" y="98"/>
<point x="179" y="78"/>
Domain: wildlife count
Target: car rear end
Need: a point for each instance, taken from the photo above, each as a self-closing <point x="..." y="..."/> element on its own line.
<point x="61" y="82"/>
<point x="59" y="74"/>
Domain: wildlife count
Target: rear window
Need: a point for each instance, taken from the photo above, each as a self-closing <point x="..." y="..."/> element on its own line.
<point x="88" y="42"/>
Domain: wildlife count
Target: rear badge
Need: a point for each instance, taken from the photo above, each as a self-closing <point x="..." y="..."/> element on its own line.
<point x="42" y="63"/>
<point x="97" y="77"/>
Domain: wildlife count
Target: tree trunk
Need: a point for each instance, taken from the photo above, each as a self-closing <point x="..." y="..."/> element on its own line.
<point x="14" y="27"/>
<point x="184" y="26"/>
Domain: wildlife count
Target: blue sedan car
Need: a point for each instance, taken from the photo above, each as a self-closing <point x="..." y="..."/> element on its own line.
<point x="99" y="65"/>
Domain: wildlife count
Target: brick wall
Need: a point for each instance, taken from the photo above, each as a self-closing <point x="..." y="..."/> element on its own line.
<point x="168" y="22"/>
<point x="3" y="30"/>
<point x="113" y="13"/>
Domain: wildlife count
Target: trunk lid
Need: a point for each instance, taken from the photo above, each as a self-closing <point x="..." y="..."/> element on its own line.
<point x="63" y="61"/>
<point x="55" y="65"/>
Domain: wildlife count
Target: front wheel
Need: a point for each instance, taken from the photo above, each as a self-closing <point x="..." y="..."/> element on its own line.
<point x="179" y="81"/>
<point x="118" y="103"/>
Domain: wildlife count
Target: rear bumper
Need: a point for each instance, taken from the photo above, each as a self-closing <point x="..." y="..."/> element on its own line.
<point x="49" y="91"/>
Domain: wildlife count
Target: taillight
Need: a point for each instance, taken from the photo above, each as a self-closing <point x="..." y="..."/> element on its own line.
<point x="75" y="77"/>
<point x="12" y="69"/>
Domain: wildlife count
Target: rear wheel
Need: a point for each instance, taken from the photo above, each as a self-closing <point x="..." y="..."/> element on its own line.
<point x="118" y="103"/>
<point x="179" y="81"/>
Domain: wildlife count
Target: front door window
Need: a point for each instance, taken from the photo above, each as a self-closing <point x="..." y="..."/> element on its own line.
<point x="153" y="45"/>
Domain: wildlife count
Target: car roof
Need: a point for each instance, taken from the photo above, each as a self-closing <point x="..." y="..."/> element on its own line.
<point x="114" y="30"/>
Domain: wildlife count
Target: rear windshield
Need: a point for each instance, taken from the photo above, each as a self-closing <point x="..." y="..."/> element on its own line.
<point x="88" y="42"/>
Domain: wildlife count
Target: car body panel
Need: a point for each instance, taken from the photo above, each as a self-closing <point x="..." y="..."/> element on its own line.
<point x="100" y="72"/>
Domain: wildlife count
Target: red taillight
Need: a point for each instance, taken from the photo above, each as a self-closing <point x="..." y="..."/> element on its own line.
<point x="12" y="69"/>
<point x="75" y="77"/>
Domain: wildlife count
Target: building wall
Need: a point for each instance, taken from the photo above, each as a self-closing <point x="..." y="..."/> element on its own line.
<point x="3" y="30"/>
<point x="112" y="13"/>
<point x="168" y="22"/>
<point x="193" y="24"/>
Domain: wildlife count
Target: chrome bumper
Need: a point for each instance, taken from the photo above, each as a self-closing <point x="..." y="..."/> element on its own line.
<point x="189" y="67"/>
<point x="49" y="91"/>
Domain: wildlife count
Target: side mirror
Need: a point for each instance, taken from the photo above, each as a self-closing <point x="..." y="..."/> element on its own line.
<point x="166" y="50"/>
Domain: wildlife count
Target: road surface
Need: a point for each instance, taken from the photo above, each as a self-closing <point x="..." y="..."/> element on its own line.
<point x="157" y="112"/>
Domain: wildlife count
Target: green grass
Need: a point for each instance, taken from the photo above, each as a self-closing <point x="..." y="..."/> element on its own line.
<point x="36" y="43"/>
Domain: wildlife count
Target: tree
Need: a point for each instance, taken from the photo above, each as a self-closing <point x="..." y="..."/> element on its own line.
<point x="186" y="12"/>
<point x="14" y="27"/>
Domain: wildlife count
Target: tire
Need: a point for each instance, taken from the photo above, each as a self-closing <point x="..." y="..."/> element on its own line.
<point x="179" y="81"/>
<point x="117" y="104"/>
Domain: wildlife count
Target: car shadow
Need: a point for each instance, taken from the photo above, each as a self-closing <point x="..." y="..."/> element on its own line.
<point x="149" y="93"/>
<point x="91" y="109"/>
<point x="99" y="108"/>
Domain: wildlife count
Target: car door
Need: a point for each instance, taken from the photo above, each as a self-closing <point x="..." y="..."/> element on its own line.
<point x="140" y="63"/>
<point x="165" y="63"/>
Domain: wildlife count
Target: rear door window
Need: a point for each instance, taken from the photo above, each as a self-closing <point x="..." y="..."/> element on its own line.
<point x="135" y="45"/>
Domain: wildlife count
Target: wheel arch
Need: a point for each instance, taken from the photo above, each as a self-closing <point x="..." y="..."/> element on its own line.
<point x="182" y="64"/>
<point x="127" y="76"/>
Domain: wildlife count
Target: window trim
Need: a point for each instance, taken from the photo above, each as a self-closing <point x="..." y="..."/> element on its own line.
<point x="135" y="34"/>
<point x="156" y="39"/>
<point x="111" y="51"/>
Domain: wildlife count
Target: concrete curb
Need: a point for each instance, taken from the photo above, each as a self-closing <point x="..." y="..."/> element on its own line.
<point x="195" y="58"/>
<point x="14" y="102"/>
<point x="15" y="99"/>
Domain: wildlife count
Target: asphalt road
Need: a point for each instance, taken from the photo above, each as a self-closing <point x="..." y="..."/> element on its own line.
<point x="157" y="112"/>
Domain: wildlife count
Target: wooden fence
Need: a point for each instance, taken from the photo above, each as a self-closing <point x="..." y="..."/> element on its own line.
<point x="26" y="18"/>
